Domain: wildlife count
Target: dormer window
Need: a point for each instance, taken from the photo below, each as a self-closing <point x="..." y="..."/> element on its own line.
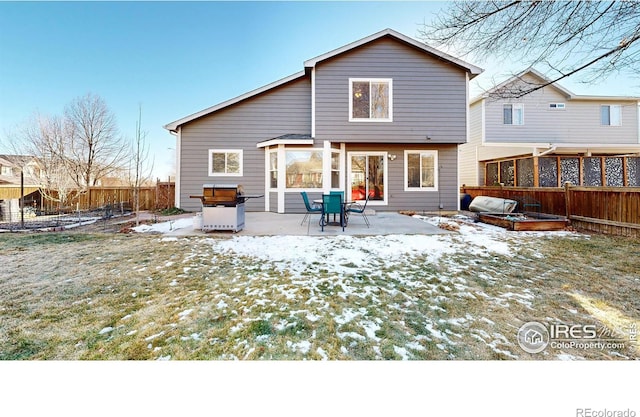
<point x="370" y="100"/>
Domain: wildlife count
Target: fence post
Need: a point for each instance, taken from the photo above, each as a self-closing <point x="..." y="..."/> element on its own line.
<point x="567" y="200"/>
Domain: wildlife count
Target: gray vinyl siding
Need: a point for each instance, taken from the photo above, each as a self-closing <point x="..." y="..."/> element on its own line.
<point x="398" y="198"/>
<point x="282" y="110"/>
<point x="293" y="202"/>
<point x="429" y="96"/>
<point x="578" y="123"/>
<point x="469" y="167"/>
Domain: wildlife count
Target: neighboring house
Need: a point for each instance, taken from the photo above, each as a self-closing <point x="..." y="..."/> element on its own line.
<point x="381" y="116"/>
<point x="549" y="137"/>
<point x="10" y="167"/>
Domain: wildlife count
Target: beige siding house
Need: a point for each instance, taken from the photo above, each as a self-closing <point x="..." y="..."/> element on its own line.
<point x="381" y="117"/>
<point x="551" y="136"/>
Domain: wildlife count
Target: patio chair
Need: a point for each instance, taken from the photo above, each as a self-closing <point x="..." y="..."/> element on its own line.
<point x="311" y="207"/>
<point x="341" y="193"/>
<point x="332" y="204"/>
<point x="359" y="209"/>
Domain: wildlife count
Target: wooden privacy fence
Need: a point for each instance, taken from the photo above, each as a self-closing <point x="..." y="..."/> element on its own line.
<point x="611" y="210"/>
<point x="160" y="196"/>
<point x="155" y="197"/>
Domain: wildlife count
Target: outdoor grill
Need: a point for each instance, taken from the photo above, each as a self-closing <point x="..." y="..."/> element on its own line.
<point x="223" y="206"/>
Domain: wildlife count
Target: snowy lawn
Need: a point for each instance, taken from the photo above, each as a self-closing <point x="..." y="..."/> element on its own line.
<point x="457" y="296"/>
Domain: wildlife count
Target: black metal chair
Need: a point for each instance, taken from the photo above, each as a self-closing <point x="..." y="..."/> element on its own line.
<point x="359" y="209"/>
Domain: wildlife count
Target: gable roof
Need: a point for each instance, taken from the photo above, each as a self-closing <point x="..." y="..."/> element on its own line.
<point x="17" y="161"/>
<point x="311" y="63"/>
<point x="562" y="90"/>
<point x="174" y="125"/>
<point x="472" y="69"/>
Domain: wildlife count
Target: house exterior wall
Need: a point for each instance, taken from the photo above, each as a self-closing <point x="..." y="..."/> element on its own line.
<point x="399" y="199"/>
<point x="283" y="110"/>
<point x="429" y="96"/>
<point x="429" y="100"/>
<point x="578" y="123"/>
<point x="468" y="169"/>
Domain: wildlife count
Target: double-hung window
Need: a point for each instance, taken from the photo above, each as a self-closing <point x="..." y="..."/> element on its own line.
<point x="273" y="169"/>
<point x="225" y="162"/>
<point x="421" y="173"/>
<point x="611" y="115"/>
<point x="370" y="100"/>
<point x="513" y="114"/>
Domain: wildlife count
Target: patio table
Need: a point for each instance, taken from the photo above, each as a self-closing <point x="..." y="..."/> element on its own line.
<point x="344" y="218"/>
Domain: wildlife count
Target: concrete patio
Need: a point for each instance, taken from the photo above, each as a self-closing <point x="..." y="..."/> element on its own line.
<point x="266" y="224"/>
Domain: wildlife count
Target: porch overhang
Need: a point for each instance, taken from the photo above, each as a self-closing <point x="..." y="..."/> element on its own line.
<point x="486" y="152"/>
<point x="289" y="139"/>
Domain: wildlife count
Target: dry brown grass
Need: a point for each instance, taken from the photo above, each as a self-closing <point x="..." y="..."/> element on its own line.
<point x="179" y="299"/>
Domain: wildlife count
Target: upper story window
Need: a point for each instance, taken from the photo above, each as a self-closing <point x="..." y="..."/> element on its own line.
<point x="557" y="106"/>
<point x="611" y="115"/>
<point x="225" y="162"/>
<point x="370" y="100"/>
<point x="513" y="114"/>
<point x="5" y="171"/>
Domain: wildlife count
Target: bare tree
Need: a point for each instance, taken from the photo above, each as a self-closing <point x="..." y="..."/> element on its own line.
<point x="140" y="166"/>
<point x="95" y="149"/>
<point x="560" y="38"/>
<point x="44" y="140"/>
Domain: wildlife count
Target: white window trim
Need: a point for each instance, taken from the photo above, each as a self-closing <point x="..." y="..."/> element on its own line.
<point x="619" y="114"/>
<point x="513" y="107"/>
<point x="371" y="80"/>
<point x="435" y="169"/>
<point x="385" y="155"/>
<point x="225" y="151"/>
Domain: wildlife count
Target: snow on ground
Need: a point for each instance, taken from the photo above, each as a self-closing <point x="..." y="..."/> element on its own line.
<point x="342" y="256"/>
<point x="165" y="227"/>
<point x="295" y="252"/>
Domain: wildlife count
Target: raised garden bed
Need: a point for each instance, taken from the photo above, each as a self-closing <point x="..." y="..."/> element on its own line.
<point x="526" y="221"/>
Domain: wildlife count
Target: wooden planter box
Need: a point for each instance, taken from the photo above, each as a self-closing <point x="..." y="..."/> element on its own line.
<point x="527" y="221"/>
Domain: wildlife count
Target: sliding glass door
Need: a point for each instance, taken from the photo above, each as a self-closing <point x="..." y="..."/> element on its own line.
<point x="367" y="176"/>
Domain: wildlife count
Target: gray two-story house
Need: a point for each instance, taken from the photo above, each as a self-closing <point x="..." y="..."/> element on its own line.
<point x="380" y="117"/>
<point x="550" y="136"/>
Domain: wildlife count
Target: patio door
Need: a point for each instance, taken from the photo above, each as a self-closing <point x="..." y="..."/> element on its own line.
<point x="367" y="176"/>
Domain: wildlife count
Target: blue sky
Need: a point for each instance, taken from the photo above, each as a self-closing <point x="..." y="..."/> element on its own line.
<point x="176" y="58"/>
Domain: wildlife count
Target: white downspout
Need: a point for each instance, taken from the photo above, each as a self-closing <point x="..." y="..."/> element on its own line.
<point x="552" y="149"/>
<point x="313" y="102"/>
<point x="178" y="134"/>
